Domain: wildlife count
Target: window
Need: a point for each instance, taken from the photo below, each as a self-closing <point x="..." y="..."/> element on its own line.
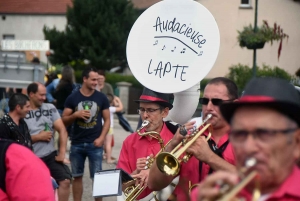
<point x="245" y="4"/>
<point x="8" y="36"/>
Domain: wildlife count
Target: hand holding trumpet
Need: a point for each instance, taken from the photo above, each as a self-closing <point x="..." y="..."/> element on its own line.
<point x="210" y="189"/>
<point x="225" y="186"/>
<point x="141" y="178"/>
<point x="181" y="134"/>
<point x="200" y="149"/>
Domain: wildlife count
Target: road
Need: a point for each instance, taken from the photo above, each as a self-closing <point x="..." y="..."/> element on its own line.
<point x="119" y="134"/>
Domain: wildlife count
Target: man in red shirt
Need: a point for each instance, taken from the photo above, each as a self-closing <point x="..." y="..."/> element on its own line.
<point x="136" y="148"/>
<point x="265" y="130"/>
<point x="216" y="154"/>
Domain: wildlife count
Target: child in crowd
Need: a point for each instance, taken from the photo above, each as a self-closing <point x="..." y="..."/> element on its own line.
<point x="115" y="106"/>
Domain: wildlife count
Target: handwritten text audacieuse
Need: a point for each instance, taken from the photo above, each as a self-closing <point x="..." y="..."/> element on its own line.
<point x="173" y="26"/>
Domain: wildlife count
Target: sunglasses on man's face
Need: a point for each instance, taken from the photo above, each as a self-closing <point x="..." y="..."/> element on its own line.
<point x="214" y="101"/>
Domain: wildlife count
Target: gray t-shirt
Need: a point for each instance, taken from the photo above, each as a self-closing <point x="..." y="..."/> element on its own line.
<point x="36" y="120"/>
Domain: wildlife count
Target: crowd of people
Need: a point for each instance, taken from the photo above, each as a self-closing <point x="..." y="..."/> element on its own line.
<point x="254" y="136"/>
<point x="79" y="111"/>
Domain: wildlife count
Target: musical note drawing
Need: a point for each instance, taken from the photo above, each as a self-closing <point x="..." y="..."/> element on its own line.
<point x="155" y="42"/>
<point x="200" y="53"/>
<point x="174" y="49"/>
<point x="164" y="47"/>
<point x="183" y="51"/>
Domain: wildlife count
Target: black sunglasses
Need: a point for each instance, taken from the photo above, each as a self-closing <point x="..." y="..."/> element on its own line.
<point x="215" y="101"/>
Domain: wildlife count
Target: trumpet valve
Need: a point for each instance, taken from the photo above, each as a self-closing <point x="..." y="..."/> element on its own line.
<point x="149" y="162"/>
<point x="186" y="158"/>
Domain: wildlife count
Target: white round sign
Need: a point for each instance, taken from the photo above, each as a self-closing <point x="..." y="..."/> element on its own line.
<point x="173" y="45"/>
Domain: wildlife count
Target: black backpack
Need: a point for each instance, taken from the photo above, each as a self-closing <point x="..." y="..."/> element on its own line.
<point x="4" y="144"/>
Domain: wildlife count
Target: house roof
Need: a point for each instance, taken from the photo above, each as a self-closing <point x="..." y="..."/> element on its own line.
<point x="143" y="4"/>
<point x="34" y="6"/>
<point x="51" y="6"/>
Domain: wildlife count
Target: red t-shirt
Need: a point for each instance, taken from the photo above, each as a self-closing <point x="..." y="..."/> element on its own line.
<point x="189" y="172"/>
<point x="288" y="191"/>
<point x="135" y="146"/>
<point x="27" y="177"/>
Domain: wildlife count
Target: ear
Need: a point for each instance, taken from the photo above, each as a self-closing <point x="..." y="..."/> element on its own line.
<point x="297" y="145"/>
<point x="165" y="112"/>
<point x="29" y="95"/>
<point x="18" y="107"/>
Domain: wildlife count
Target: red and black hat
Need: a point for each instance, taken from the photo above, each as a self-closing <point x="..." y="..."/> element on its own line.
<point x="149" y="96"/>
<point x="271" y="92"/>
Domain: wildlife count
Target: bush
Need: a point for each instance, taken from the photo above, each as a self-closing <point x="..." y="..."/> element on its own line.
<point x="113" y="78"/>
<point x="241" y="74"/>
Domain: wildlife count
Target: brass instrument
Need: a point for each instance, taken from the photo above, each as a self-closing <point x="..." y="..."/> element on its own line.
<point x="169" y="163"/>
<point x="131" y="191"/>
<point x="229" y="192"/>
<point x="192" y="186"/>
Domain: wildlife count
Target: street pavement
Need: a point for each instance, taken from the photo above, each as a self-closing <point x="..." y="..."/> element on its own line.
<point x="119" y="135"/>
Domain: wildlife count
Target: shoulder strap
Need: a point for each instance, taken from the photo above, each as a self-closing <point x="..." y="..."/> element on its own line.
<point x="172" y="126"/>
<point x="4" y="144"/>
<point x="219" y="151"/>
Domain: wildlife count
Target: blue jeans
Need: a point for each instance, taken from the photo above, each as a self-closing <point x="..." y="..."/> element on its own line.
<point x="78" y="154"/>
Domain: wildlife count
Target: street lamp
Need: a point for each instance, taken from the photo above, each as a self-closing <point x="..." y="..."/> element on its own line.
<point x="254" y="50"/>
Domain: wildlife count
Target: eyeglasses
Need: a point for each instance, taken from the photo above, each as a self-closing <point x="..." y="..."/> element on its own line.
<point x="215" y="101"/>
<point x="260" y="134"/>
<point x="148" y="110"/>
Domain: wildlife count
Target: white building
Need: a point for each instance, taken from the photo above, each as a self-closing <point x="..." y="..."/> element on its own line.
<point x="25" y="19"/>
<point x="233" y="15"/>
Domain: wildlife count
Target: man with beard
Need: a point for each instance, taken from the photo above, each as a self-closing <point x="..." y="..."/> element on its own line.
<point x="208" y="156"/>
<point x="42" y="120"/>
<point x="265" y="130"/>
<point x="86" y="108"/>
<point x="153" y="107"/>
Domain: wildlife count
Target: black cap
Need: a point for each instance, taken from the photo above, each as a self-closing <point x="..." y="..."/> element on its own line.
<point x="271" y="92"/>
<point x="149" y="96"/>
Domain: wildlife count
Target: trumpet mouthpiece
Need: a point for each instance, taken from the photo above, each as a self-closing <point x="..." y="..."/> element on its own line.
<point x="207" y="118"/>
<point x="145" y="123"/>
<point x="250" y="162"/>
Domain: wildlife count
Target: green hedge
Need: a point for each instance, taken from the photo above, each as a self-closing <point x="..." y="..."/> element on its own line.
<point x="113" y="78"/>
<point x="241" y="74"/>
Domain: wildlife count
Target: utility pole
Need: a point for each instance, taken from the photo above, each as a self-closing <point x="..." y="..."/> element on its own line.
<point x="254" y="50"/>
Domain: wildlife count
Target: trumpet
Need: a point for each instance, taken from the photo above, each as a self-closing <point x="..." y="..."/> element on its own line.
<point x="229" y="192"/>
<point x="169" y="163"/>
<point x="131" y="191"/>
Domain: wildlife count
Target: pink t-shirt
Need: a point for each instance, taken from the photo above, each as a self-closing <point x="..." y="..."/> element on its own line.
<point x="190" y="174"/>
<point x="135" y="146"/>
<point x="27" y="177"/>
<point x="288" y="191"/>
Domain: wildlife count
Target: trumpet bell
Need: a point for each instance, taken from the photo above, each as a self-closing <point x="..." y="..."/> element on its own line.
<point x="168" y="164"/>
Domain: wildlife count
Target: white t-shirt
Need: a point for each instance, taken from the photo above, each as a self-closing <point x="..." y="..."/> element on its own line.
<point x="112" y="110"/>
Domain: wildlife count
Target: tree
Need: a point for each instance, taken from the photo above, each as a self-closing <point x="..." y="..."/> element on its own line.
<point x="96" y="31"/>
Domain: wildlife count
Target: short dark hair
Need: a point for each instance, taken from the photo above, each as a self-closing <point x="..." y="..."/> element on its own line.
<point x="33" y="87"/>
<point x="87" y="70"/>
<point x="17" y="99"/>
<point x="230" y="85"/>
<point x="101" y="72"/>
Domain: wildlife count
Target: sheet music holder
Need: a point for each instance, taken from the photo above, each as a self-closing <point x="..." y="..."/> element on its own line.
<point x="109" y="182"/>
